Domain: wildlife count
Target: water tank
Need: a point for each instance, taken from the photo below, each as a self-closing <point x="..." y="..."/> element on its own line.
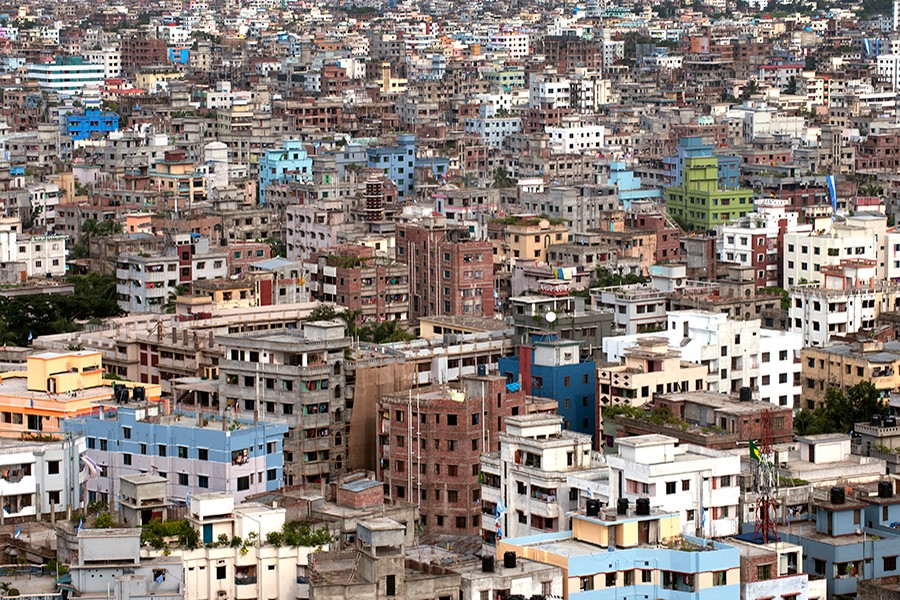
<point x="509" y="560"/>
<point x="482" y="370"/>
<point x="622" y="506"/>
<point x="642" y="507"/>
<point x="746" y="394"/>
<point x="487" y="564"/>
<point x="593" y="508"/>
<point x="885" y="489"/>
<point x="138" y="394"/>
<point x="837" y="495"/>
<point x="890" y="421"/>
<point x="876" y="420"/>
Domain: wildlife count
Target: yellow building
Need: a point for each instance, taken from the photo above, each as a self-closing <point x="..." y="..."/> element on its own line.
<point x="156" y="78"/>
<point x="391" y="85"/>
<point x="525" y="237"/>
<point x="844" y="365"/>
<point x="55" y="387"/>
<point x="177" y="178"/>
<point x="649" y="368"/>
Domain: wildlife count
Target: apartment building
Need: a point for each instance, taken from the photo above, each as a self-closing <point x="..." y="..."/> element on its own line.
<point x="288" y="163"/>
<point x="353" y="277"/>
<point x="699" y="203"/>
<point x="67" y="75"/>
<point x="42" y="477"/>
<point x="524" y="236"/>
<point x="397" y="162"/>
<point x="295" y="378"/>
<point x="312" y="227"/>
<point x="192" y="453"/>
<point x="430" y="441"/>
<point x="844" y="365"/>
<point x="529" y="476"/>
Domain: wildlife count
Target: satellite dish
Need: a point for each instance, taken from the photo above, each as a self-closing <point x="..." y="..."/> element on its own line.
<point x="550" y="316"/>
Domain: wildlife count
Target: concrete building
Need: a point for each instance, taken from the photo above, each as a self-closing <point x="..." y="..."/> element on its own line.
<point x="648" y="368"/>
<point x="701" y="485"/>
<point x="879" y="437"/>
<point x="575" y="320"/>
<point x="42" y="477"/>
<point x="525" y="237"/>
<point x="775" y="569"/>
<point x="288" y="163"/>
<point x="84" y="125"/>
<point x="529" y="476"/>
<point x="699" y="202"/>
<point x="844" y="365"/>
<point x="66" y="75"/>
<point x="296" y="378"/>
<point x="553" y="368"/>
<point x="398" y="164"/>
<point x="192" y="453"/>
<point x="649" y="556"/>
<point x="429" y="443"/>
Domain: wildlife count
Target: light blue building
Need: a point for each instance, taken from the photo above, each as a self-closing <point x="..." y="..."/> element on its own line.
<point x="194" y="453"/>
<point x="290" y="163"/>
<point x="850" y="538"/>
<point x="81" y="126"/>
<point x="179" y="55"/>
<point x="629" y="186"/>
<point x="398" y="163"/>
<point x="553" y="368"/>
<point x="693" y="147"/>
<point x="634" y="554"/>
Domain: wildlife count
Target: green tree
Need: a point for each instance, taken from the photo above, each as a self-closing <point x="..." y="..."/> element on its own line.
<point x="172" y="298"/>
<point x="323" y="312"/>
<point x="841" y="411"/>
<point x="385" y="332"/>
<point x="750" y="89"/>
<point x="502" y="178"/>
<point x="104" y="521"/>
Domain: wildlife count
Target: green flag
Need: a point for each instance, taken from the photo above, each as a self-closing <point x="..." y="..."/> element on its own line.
<point x="755" y="454"/>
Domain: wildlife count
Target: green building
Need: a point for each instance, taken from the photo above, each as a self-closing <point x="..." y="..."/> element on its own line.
<point x="699" y="203"/>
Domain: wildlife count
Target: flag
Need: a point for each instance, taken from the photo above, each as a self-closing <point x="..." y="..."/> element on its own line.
<point x="590" y="492"/>
<point x="500" y="509"/>
<point x="18" y="532"/>
<point x="30" y="336"/>
<point x="91" y="464"/>
<point x="499" y="531"/>
<point x="80" y="524"/>
<point x="702" y="518"/>
<point x="161" y="577"/>
<point x="755" y="454"/>
<point x="187" y="499"/>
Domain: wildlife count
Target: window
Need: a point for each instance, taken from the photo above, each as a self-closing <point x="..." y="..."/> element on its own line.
<point x="53" y="467"/>
<point x="53" y="497"/>
<point x="126" y="459"/>
<point x="670" y="487"/>
<point x="220" y="572"/>
<point x="451" y="420"/>
<point x="390" y="585"/>
<point x="685" y="485"/>
<point x="720" y="578"/>
<point x="611" y="579"/>
<point x="646" y="576"/>
<point x="890" y="563"/>
<point x="586" y="584"/>
<point x="243" y="483"/>
<point x="202" y="481"/>
<point x="183" y="479"/>
<point x="161" y="450"/>
<point x="144" y="449"/>
<point x="126" y="433"/>
<point x="182" y="452"/>
<point x="202" y="454"/>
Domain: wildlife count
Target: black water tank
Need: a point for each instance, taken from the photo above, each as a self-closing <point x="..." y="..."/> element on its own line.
<point x="876" y="421"/>
<point x="890" y="421"/>
<point x="487" y="564"/>
<point x="509" y="560"/>
<point x="622" y="506"/>
<point x="885" y="489"/>
<point x="746" y="394"/>
<point x="837" y="495"/>
<point x="482" y="370"/>
<point x="593" y="508"/>
<point x="642" y="507"/>
<point x="138" y="393"/>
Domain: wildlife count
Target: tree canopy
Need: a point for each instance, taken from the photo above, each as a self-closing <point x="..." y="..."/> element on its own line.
<point x="841" y="411"/>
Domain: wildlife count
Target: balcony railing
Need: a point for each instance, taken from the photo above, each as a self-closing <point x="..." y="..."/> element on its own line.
<point x="249" y="580"/>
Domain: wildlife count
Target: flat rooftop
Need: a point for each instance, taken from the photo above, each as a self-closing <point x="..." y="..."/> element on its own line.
<point x="16" y="385"/>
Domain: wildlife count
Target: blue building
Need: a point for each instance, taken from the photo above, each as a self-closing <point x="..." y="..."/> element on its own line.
<point x="850" y="537"/>
<point x="81" y="126"/>
<point x="290" y="163"/>
<point x="397" y="162"/>
<point x="553" y="368"/>
<point x="180" y="55"/>
<point x="194" y="453"/>
<point x="629" y="186"/>
<point x="640" y="554"/>
<point x="693" y="147"/>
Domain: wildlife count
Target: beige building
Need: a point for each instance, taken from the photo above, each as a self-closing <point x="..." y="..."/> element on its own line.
<point x="650" y="367"/>
<point x="524" y="237"/>
<point x="844" y="365"/>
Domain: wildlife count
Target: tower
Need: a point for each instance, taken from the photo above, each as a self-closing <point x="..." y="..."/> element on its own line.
<point x="374" y="199"/>
<point x="766" y="482"/>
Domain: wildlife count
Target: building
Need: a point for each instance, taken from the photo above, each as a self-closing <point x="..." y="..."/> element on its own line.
<point x="398" y="163"/>
<point x="776" y="569"/>
<point x="529" y="475"/>
<point x="525" y="237"/>
<point x="192" y="453"/>
<point x="179" y="179"/>
<point x="288" y="163"/>
<point x="449" y="273"/>
<point x="66" y="75"/>
<point x="430" y="441"/>
<point x="84" y="125"/>
<point x="353" y="277"/>
<point x="42" y="477"/>
<point x="55" y="387"/>
<point x="699" y="484"/>
<point x="879" y="437"/>
<point x="574" y="319"/>
<point x="553" y="368"/>
<point x="844" y="365"/>
<point x="850" y="299"/>
<point x="699" y="203"/>
<point x="648" y="368"/>
<point x="634" y="552"/>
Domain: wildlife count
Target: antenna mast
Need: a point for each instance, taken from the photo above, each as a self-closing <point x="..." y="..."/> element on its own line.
<point x="766" y="484"/>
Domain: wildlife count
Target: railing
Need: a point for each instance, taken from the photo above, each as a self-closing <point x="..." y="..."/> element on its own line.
<point x="249" y="580"/>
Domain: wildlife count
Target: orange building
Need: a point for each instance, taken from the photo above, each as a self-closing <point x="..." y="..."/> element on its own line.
<point x="57" y="386"/>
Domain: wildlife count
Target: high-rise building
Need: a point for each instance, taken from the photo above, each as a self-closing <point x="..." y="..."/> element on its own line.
<point x="449" y="273"/>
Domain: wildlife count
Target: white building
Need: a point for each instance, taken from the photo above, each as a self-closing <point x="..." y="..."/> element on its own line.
<point x="576" y="138"/>
<point x="548" y="91"/>
<point x="530" y="475"/>
<point x="42" y="255"/>
<point x="700" y="484"/>
<point x="108" y="56"/>
<point x="737" y="353"/>
<point x="862" y="236"/>
<point x="888" y="70"/>
<point x="41" y="477"/>
<point x="850" y="298"/>
<point x="67" y="75"/>
<point x="513" y="45"/>
<point x="43" y="198"/>
<point x="493" y="131"/>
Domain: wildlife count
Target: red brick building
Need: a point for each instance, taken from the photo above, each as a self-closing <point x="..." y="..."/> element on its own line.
<point x="566" y="52"/>
<point x="352" y="276"/>
<point x="668" y="239"/>
<point x="139" y="51"/>
<point x="430" y="443"/>
<point x="449" y="273"/>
